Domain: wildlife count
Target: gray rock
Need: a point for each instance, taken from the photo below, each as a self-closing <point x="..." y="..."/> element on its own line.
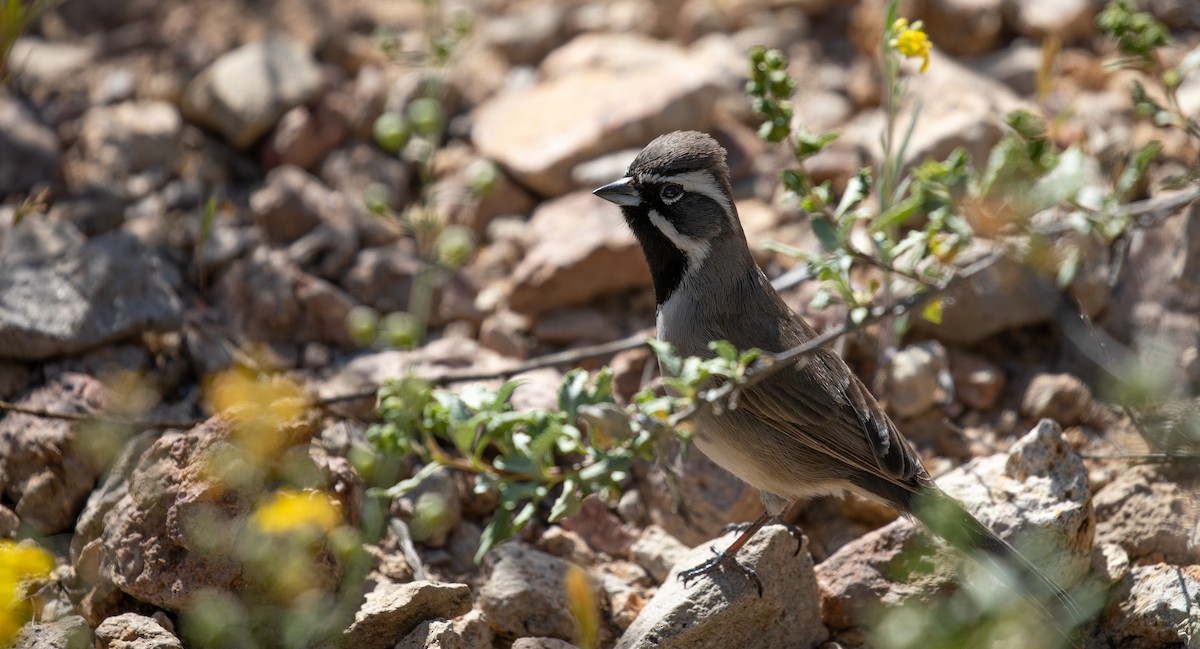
<point x="864" y="573"/>
<point x="1061" y="397"/>
<point x="45" y="467"/>
<point x="70" y="632"/>
<point x="383" y="277"/>
<point x="978" y="383"/>
<point x="657" y="551"/>
<point x="1144" y="511"/>
<point x="1110" y="563"/>
<point x="626" y="587"/>
<point x="579" y="249"/>
<point x="131" y="138"/>
<point x="393" y="611"/>
<point x="38" y="66"/>
<point x="1155" y="606"/>
<point x="963" y="28"/>
<point x="1036" y="497"/>
<point x="723" y="609"/>
<point x="95" y="210"/>
<point x="539" y="134"/>
<point x="916" y="379"/>
<point x="1006" y="294"/>
<point x="541" y="643"/>
<point x="523" y="593"/>
<point x="133" y="539"/>
<point x="1016" y="66"/>
<point x="133" y="631"/>
<point x="525" y="36"/>
<point x="306" y="135"/>
<point x="289" y="205"/>
<point x="1065" y="20"/>
<point x="474" y="629"/>
<point x="360" y="168"/>
<point x="245" y="92"/>
<point x="600" y="527"/>
<point x="505" y="332"/>
<point x="1156" y="305"/>
<point x="269" y="299"/>
<point x="14" y="378"/>
<point x="576" y="326"/>
<point x="30" y="148"/>
<point x="67" y="301"/>
<point x="433" y="634"/>
<point x="9" y="522"/>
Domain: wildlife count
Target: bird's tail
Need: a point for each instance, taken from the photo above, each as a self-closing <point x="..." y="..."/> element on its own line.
<point x="949" y="520"/>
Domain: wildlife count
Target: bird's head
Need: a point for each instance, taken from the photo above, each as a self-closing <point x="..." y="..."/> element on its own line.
<point x="677" y="199"/>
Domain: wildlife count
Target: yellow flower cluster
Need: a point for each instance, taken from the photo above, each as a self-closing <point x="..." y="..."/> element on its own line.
<point x="912" y="41"/>
<point x="289" y="510"/>
<point x="18" y="563"/>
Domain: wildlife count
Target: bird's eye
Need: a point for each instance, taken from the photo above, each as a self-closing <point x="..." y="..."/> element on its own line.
<point x="671" y="193"/>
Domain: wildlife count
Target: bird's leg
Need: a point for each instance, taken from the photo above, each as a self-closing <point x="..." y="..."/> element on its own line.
<point x="795" y="531"/>
<point x="730" y="555"/>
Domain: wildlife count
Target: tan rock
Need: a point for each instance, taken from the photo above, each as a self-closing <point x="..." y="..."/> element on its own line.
<point x="245" y="91"/>
<point x="45" y="467"/>
<point x="963" y="27"/>
<point x="539" y="134"/>
<point x="579" y="249"/>
<point x="724" y="609"/>
<point x="1065" y="20"/>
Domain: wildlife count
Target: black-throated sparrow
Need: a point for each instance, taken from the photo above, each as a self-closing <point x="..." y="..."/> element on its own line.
<point x="810" y="429"/>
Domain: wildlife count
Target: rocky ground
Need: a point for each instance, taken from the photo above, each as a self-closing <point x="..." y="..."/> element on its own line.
<point x="188" y="188"/>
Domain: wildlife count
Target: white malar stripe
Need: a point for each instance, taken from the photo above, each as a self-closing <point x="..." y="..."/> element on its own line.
<point x="698" y="182"/>
<point x="695" y="250"/>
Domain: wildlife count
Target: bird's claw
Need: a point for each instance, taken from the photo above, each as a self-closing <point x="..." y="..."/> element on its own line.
<point x="714" y="564"/>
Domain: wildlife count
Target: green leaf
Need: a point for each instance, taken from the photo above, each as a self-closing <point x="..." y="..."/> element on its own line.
<point x="1062" y="183"/>
<point x="568" y="502"/>
<point x="826" y="233"/>
<point x="572" y="392"/>
<point x="724" y="349"/>
<point x="524" y="516"/>
<point x="504" y="394"/>
<point x="671" y="364"/>
<point x="496" y="532"/>
<point x="896" y="215"/>
<point x="411" y="483"/>
<point x="518" y="464"/>
<point x="1135" y="169"/>
<point x="604" y="467"/>
<point x="809" y="144"/>
<point x="856" y="190"/>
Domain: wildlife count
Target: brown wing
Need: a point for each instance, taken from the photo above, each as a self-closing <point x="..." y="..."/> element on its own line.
<point x="821" y="405"/>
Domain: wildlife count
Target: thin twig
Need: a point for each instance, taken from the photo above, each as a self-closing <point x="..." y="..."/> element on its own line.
<point x="143" y="424"/>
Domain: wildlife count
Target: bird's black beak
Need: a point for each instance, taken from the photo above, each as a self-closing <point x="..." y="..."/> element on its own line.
<point x="621" y="192"/>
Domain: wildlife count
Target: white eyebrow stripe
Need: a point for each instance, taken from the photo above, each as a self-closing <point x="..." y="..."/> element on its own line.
<point x="695" y="249"/>
<point x="697" y="182"/>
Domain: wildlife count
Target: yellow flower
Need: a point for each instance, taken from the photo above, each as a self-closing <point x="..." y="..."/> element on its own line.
<point x="912" y="42"/>
<point x="289" y="510"/>
<point x="18" y="562"/>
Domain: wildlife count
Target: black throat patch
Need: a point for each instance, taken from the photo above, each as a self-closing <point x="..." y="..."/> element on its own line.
<point x="667" y="262"/>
